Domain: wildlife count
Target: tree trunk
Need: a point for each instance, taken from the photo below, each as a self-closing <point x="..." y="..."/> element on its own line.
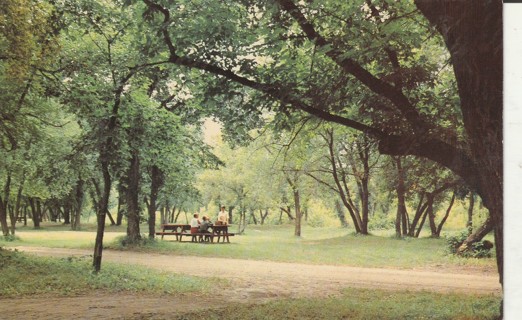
<point x="364" y="191"/>
<point x="429" y="207"/>
<point x="121" y="201"/>
<point x="39" y="211"/>
<point x="421" y="207"/>
<point x="340" y="213"/>
<point x="477" y="236"/>
<point x="400" y="223"/>
<point x="365" y="203"/>
<point x="132" y="194"/>
<point x="35" y="215"/>
<point x="263" y="216"/>
<point x="78" y="205"/>
<point x="253" y="215"/>
<point x="102" y="209"/>
<point x="16" y="211"/>
<point x="230" y="215"/>
<point x="4" y="202"/>
<point x="288" y="213"/>
<point x="67" y="213"/>
<point x="25" y="214"/>
<point x="469" y="224"/>
<point x="441" y="223"/>
<point x="473" y="35"/>
<point x="177" y="214"/>
<point x="298" y="213"/>
<point x="155" y="185"/>
<point x="431" y="218"/>
<point x="343" y="192"/>
<point x="241" y="226"/>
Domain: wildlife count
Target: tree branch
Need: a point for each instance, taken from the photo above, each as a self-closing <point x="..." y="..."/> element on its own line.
<point x="375" y="84"/>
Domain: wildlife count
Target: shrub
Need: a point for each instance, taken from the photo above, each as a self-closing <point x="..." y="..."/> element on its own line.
<point x="380" y="222"/>
<point x="480" y="249"/>
<point x="11" y="238"/>
<point x="124" y="241"/>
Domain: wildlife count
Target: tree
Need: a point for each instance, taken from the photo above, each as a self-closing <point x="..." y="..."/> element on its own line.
<point x="403" y="86"/>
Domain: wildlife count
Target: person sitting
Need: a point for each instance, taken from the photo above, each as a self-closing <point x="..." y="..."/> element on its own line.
<point x="222" y="218"/>
<point x="203" y="227"/>
<point x="194" y="224"/>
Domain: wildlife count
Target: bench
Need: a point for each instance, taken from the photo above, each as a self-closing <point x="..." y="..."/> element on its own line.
<point x="181" y="230"/>
<point x="198" y="237"/>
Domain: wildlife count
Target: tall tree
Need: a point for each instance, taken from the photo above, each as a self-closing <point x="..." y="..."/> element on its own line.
<point x="410" y="106"/>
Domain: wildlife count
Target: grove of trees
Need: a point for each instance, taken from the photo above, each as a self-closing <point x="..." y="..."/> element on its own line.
<point x="376" y="108"/>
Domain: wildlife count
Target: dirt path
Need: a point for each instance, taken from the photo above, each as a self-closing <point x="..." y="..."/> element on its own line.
<point x="251" y="281"/>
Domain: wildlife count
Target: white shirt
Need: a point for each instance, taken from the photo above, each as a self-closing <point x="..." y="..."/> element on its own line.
<point x="194" y="223"/>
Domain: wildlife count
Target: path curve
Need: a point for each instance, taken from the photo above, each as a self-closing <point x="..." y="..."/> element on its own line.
<point x="253" y="280"/>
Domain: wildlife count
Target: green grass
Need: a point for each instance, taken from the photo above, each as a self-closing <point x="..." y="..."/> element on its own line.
<point x="335" y="246"/>
<point x="27" y="275"/>
<point x="357" y="304"/>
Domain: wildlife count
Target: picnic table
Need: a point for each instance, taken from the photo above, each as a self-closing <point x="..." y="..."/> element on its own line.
<point x="181" y="230"/>
<point x="173" y="230"/>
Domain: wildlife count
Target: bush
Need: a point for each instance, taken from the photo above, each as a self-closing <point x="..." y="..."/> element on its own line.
<point x="380" y="222"/>
<point x="124" y="241"/>
<point x="11" y="238"/>
<point x="315" y="221"/>
<point x="480" y="249"/>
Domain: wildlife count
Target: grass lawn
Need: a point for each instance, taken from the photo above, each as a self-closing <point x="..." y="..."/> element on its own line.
<point x="359" y="304"/>
<point x="26" y="275"/>
<point x="334" y="246"/>
<point x="23" y="275"/>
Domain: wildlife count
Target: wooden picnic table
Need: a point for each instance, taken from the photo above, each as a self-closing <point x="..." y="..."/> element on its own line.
<point x="173" y="229"/>
<point x="180" y="230"/>
<point x="221" y="231"/>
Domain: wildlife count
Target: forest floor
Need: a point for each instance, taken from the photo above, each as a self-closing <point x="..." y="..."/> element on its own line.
<point x="247" y="281"/>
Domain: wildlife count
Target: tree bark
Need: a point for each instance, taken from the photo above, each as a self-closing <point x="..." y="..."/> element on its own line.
<point x="477" y="236"/>
<point x="473" y="35"/>
<point x="132" y="199"/>
<point x="67" y="213"/>
<point x="253" y="215"/>
<point x="421" y="207"/>
<point x="230" y="214"/>
<point x="35" y="213"/>
<point x="78" y="205"/>
<point x="16" y="211"/>
<point x="363" y="151"/>
<point x="340" y="214"/>
<point x="263" y="216"/>
<point x="102" y="208"/>
<point x="4" y="202"/>
<point x="298" y="213"/>
<point x="469" y="224"/>
<point x="429" y="208"/>
<point x="288" y="213"/>
<point x="400" y="223"/>
<point x="443" y="220"/>
<point x="343" y="192"/>
<point x="155" y="185"/>
<point x="431" y="218"/>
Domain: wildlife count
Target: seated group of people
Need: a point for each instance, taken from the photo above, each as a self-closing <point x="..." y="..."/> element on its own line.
<point x="198" y="226"/>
